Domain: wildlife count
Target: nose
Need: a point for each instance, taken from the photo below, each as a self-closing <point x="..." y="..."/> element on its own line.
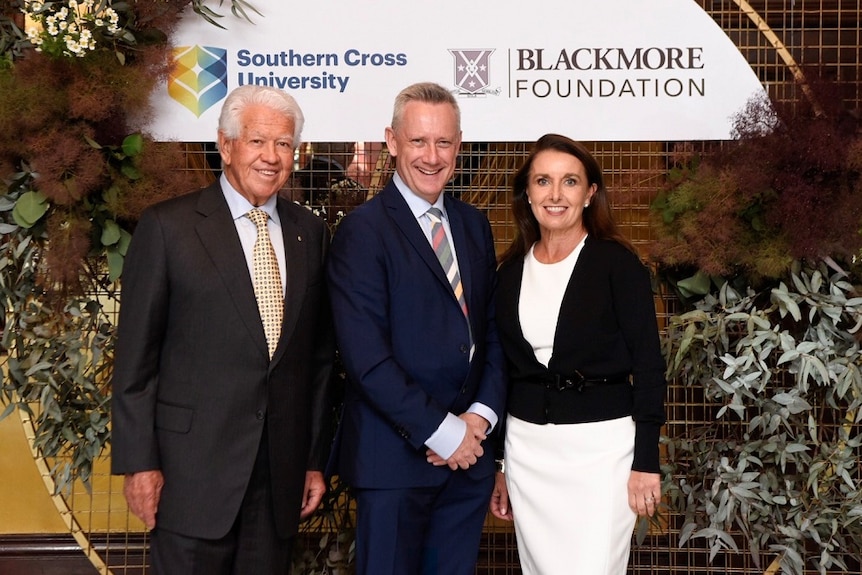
<point x="556" y="192"/>
<point x="268" y="153"/>
<point x="431" y="154"/>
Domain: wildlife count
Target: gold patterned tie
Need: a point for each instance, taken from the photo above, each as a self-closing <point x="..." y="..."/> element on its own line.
<point x="267" y="281"/>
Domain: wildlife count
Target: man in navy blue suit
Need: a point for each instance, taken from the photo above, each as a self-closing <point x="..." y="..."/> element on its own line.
<point x="426" y="372"/>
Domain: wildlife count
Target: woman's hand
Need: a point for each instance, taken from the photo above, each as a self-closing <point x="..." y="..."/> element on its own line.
<point x="499" y="506"/>
<point x="644" y="492"/>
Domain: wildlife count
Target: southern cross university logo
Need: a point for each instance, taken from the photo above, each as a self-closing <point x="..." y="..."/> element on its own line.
<point x="199" y="77"/>
<point x="472" y="70"/>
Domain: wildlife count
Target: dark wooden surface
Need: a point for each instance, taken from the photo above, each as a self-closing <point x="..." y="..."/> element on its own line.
<point x="59" y="554"/>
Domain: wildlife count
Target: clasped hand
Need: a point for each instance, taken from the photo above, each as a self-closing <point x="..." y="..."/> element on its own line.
<point x="470" y="449"/>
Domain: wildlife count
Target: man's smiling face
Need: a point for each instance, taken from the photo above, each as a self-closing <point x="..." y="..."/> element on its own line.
<point x="425" y="143"/>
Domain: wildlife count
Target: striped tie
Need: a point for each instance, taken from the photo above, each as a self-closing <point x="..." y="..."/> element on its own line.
<point x="444" y="254"/>
<point x="267" y="281"/>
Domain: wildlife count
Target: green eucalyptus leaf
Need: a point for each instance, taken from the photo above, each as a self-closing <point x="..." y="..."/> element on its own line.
<point x="29" y="208"/>
<point x="132" y="145"/>
<point x="698" y="284"/>
<point x="115" y="263"/>
<point x="8" y="410"/>
<point x="111" y="195"/>
<point x="125" y="240"/>
<point x="130" y="171"/>
<point x="111" y="233"/>
<point x="6" y="203"/>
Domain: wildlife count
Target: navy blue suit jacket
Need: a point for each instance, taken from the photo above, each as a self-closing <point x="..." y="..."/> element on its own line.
<point x="404" y="341"/>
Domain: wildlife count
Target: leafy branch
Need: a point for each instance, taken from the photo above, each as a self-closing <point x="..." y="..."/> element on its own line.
<point x="239" y="8"/>
<point x="780" y="374"/>
<point x="72" y="183"/>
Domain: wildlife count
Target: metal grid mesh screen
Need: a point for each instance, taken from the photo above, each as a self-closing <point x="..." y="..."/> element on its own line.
<point x="819" y="36"/>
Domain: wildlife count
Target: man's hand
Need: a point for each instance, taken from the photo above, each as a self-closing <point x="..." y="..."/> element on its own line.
<point x="500" y="506"/>
<point x="315" y="487"/>
<point x="470" y="450"/>
<point x="143" y="491"/>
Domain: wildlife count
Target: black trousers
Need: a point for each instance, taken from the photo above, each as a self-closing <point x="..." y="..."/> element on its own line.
<point x="251" y="547"/>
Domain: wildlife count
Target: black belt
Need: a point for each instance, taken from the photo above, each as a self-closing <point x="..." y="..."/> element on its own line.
<point x="578" y="381"/>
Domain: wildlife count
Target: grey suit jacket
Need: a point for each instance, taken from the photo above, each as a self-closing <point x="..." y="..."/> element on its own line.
<point x="193" y="386"/>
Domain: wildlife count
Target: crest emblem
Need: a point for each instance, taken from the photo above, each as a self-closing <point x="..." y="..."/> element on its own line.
<point x="472" y="70"/>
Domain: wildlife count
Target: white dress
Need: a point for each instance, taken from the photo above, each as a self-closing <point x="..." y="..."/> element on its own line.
<point x="567" y="483"/>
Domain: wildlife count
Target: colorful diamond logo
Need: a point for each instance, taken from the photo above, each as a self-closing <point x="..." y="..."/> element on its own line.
<point x="199" y="77"/>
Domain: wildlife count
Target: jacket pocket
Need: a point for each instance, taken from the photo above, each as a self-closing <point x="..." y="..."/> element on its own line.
<point x="174" y="418"/>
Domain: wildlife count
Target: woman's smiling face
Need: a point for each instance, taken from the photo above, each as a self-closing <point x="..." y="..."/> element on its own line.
<point x="558" y="190"/>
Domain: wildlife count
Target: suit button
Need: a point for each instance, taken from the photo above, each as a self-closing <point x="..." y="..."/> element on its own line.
<point x="259" y="414"/>
<point x="464" y="348"/>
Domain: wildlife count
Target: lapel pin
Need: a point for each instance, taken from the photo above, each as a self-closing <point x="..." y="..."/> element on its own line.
<point x="299" y="238"/>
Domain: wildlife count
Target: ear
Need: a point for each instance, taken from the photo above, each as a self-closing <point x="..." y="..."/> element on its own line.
<point x="592" y="192"/>
<point x="391" y="142"/>
<point x="224" y="148"/>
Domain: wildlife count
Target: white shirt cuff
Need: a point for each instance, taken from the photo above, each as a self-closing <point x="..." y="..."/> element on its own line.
<point x="449" y="435"/>
<point x="486" y="412"/>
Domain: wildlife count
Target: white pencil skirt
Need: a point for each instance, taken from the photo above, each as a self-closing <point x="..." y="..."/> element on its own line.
<point x="568" y="491"/>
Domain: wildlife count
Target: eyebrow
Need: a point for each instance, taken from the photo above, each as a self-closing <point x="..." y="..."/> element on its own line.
<point x="566" y="175"/>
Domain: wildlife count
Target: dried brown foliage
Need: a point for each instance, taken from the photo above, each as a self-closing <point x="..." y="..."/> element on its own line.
<point x="52" y="110"/>
<point x="162" y="165"/>
<point x="788" y="189"/>
<point x="68" y="169"/>
<point x="67" y="244"/>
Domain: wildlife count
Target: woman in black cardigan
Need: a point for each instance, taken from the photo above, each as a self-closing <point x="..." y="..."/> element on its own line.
<point x="577" y="321"/>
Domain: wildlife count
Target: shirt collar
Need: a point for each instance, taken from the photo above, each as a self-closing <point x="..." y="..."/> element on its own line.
<point x="418" y="206"/>
<point x="239" y="206"/>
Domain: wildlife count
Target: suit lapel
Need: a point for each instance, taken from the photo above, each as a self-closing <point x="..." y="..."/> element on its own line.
<point x="400" y="212"/>
<point x="296" y="256"/>
<point x="217" y="232"/>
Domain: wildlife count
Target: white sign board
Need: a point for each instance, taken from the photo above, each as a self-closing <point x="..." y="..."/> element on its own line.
<point x="615" y="70"/>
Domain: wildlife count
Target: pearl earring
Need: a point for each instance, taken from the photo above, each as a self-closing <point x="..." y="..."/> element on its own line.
<point x="587" y="205"/>
<point x="529" y="201"/>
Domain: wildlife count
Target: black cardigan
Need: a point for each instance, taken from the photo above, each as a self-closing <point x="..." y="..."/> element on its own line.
<point x="607" y="328"/>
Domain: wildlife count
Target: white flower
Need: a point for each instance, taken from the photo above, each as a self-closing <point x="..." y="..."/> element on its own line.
<point x="72" y="26"/>
<point x="73" y="46"/>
